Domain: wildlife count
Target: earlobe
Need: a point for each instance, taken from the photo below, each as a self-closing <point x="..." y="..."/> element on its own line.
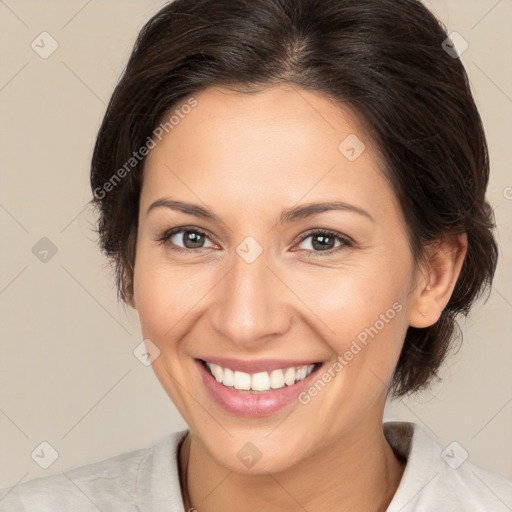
<point x="432" y="295"/>
<point x="421" y="313"/>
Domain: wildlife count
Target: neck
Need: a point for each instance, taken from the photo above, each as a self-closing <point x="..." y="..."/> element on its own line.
<point x="359" y="472"/>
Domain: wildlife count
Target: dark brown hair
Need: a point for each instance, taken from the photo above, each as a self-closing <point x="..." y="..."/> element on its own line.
<point x="382" y="58"/>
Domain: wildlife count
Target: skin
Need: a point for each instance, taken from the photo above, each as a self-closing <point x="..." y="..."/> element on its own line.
<point x="247" y="157"/>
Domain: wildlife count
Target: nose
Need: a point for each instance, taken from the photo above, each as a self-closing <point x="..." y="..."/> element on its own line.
<point x="250" y="304"/>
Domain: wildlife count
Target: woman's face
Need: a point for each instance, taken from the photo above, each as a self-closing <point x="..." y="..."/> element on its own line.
<point x="254" y="281"/>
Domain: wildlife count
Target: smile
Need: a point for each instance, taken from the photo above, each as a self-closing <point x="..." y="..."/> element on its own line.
<point x="258" y="392"/>
<point x="261" y="381"/>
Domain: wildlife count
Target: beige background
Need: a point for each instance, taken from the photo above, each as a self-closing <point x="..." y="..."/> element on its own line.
<point x="68" y="375"/>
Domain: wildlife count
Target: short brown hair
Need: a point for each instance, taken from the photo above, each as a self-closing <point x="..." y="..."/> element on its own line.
<point x="383" y="58"/>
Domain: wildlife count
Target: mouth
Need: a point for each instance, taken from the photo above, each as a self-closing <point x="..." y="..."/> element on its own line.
<point x="259" y="393"/>
<point x="259" y="382"/>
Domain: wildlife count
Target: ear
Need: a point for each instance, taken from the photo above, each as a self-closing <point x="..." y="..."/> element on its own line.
<point x="437" y="281"/>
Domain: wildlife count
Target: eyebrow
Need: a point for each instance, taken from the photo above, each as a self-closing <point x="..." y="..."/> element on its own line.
<point x="287" y="216"/>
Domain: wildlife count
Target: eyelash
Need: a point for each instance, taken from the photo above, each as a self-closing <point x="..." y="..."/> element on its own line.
<point x="346" y="242"/>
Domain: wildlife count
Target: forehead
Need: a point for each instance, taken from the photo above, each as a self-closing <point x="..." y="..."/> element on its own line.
<point x="276" y="146"/>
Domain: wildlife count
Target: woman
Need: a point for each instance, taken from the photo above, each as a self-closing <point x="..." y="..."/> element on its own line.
<point x="293" y="195"/>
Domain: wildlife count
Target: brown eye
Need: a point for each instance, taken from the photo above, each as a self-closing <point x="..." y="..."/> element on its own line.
<point x="193" y="239"/>
<point x="324" y="241"/>
<point x="182" y="239"/>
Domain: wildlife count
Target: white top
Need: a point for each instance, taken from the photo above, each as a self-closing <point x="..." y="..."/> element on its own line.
<point x="147" y="480"/>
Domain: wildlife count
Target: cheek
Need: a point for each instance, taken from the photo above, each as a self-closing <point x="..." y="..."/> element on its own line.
<point x="167" y="296"/>
<point x="361" y="310"/>
<point x="156" y="290"/>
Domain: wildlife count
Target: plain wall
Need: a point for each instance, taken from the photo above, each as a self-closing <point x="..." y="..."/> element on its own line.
<point x="68" y="375"/>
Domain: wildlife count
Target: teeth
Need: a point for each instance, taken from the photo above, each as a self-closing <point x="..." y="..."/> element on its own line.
<point x="276" y="379"/>
<point x="289" y="376"/>
<point x="262" y="381"/>
<point x="242" y="380"/>
<point x="216" y="372"/>
<point x="228" y="378"/>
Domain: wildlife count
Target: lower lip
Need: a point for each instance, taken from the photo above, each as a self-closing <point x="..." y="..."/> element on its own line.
<point x="252" y="404"/>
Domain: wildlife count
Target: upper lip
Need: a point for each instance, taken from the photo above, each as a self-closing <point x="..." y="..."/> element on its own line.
<point x="260" y="365"/>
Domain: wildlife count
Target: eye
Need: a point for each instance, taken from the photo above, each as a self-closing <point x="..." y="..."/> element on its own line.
<point x="190" y="237"/>
<point x="324" y="241"/>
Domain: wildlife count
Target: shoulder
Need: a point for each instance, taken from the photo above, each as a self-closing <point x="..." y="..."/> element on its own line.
<point x="122" y="482"/>
<point x="442" y="479"/>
